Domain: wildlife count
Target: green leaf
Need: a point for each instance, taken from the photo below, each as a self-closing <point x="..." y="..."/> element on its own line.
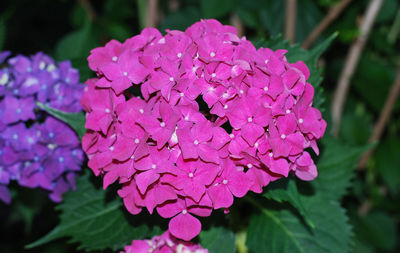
<point x="387" y="162"/>
<point x="336" y="168"/>
<point x="377" y="229"/>
<point x="2" y="33"/>
<point x="285" y="190"/>
<point x="76" y="44"/>
<point x="75" y="120"/>
<point x="88" y="219"/>
<point x="216" y="9"/>
<point x="218" y="240"/>
<point x="373" y="79"/>
<point x="283" y="231"/>
<point x="181" y="19"/>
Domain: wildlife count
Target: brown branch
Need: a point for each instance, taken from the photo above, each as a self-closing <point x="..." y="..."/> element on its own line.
<point x="87" y="6"/>
<point x="290" y="19"/>
<point x="238" y="24"/>
<point x="383" y="119"/>
<point x="333" y="13"/>
<point x="152" y="13"/>
<point x="351" y="64"/>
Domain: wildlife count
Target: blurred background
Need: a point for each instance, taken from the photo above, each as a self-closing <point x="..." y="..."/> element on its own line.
<point x="363" y="61"/>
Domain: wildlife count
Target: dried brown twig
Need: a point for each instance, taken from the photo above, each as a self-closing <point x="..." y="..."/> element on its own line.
<point x="351" y="64"/>
<point x="152" y="13"/>
<point x="333" y="13"/>
<point x="290" y="19"/>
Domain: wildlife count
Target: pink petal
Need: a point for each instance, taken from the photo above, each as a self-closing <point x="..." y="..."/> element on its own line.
<point x="184" y="226"/>
<point x="146" y="178"/>
<point x="220" y="196"/>
<point x="251" y="132"/>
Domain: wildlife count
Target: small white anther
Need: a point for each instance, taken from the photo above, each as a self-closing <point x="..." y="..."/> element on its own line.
<point x="270" y="154"/>
<point x="162" y="124"/>
<point x="141" y="110"/>
<point x="283" y="136"/>
<point x="125" y="73"/>
<point x="265" y="88"/>
<point x="249" y="165"/>
<point x="107" y="110"/>
<point x="191" y="175"/>
<point x="256" y="144"/>
<point x="225" y="181"/>
<point x="287" y="111"/>
<point x="266" y="61"/>
<point x="184" y="211"/>
<point x="112" y="148"/>
<point x="225" y="107"/>
<point x="212" y="54"/>
<point x="153" y="166"/>
<point x="301" y="120"/>
<point x="179" y="55"/>
<point x="171" y="79"/>
<point x="196" y="142"/>
<point x="181" y="94"/>
<point x="137" y="141"/>
<point x="132" y="157"/>
<point x="241" y="91"/>
<point x="213" y="75"/>
<point x="232" y="136"/>
<point x="114" y="58"/>
<point x="250" y="119"/>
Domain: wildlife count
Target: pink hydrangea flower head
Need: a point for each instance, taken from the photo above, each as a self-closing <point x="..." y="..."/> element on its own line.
<point x="190" y="120"/>
<point x="165" y="243"/>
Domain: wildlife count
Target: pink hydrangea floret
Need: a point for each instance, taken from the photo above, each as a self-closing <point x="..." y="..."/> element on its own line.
<point x="165" y="243"/>
<point x="190" y="120"/>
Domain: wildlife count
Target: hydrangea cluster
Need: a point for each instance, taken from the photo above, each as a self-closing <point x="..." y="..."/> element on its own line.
<point x="164" y="243"/>
<point x="189" y="120"/>
<point x="36" y="149"/>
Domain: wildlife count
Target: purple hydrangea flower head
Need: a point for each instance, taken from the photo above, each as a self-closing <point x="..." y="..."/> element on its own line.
<point x="190" y="120"/>
<point x="36" y="149"/>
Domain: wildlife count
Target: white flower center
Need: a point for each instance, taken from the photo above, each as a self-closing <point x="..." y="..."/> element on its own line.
<point x="171" y="79"/>
<point x="125" y="73"/>
<point x="249" y="165"/>
<point x="181" y="94"/>
<point x="141" y="110"/>
<point x="270" y="154"/>
<point x="225" y="107"/>
<point x="191" y="175"/>
<point x="184" y="211"/>
<point x="265" y="88"/>
<point x="137" y="141"/>
<point x="266" y="61"/>
<point x="114" y="58"/>
<point x="4" y="79"/>
<point x="112" y="148"/>
<point x="162" y="124"/>
<point x="283" y="136"/>
<point x="153" y="166"/>
<point x="225" y="181"/>
<point x="287" y="111"/>
<point x="232" y="136"/>
<point x="250" y="119"/>
<point x="213" y="75"/>
<point x="179" y="55"/>
<point x="196" y="142"/>
<point x="301" y="121"/>
<point x="212" y="54"/>
<point x="107" y="110"/>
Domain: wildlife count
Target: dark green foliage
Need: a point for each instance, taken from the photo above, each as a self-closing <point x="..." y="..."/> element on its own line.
<point x="218" y="240"/>
<point x="92" y="221"/>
